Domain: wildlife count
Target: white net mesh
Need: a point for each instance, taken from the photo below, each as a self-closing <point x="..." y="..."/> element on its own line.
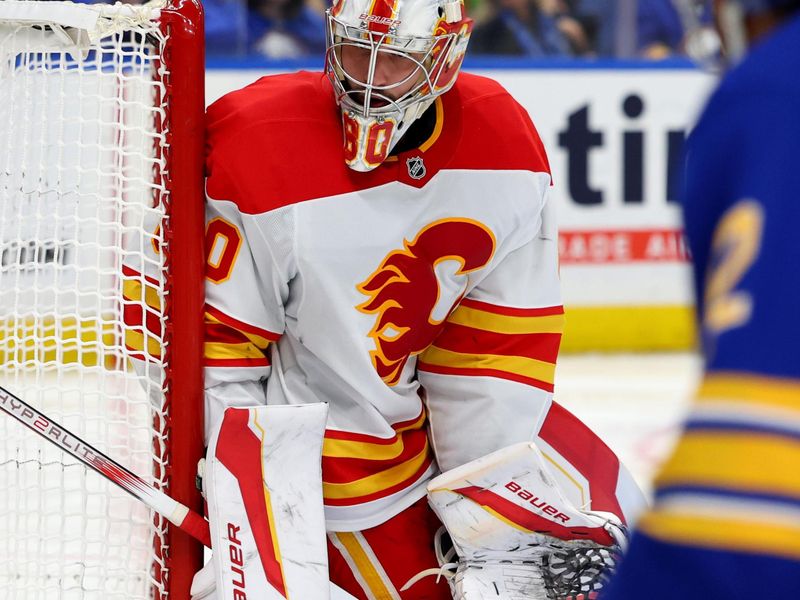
<point x="81" y="147"/>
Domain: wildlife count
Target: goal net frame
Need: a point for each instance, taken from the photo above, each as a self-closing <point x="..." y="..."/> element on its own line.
<point x="62" y="37"/>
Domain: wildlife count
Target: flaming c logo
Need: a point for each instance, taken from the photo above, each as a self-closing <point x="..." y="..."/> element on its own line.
<point x="404" y="291"/>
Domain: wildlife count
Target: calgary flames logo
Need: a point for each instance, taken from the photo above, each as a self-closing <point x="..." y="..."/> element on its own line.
<point x="404" y="292"/>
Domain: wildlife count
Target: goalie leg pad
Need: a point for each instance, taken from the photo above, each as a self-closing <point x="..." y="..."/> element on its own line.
<point x="264" y="490"/>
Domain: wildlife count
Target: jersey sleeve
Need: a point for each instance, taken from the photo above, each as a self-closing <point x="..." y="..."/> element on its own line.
<point x="488" y="377"/>
<point x="142" y="304"/>
<point x="249" y="265"/>
<point x="726" y="518"/>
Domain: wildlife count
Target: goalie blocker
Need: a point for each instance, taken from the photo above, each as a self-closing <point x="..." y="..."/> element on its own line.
<point x="263" y="485"/>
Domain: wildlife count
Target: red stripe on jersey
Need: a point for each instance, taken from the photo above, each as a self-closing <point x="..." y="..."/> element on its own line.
<point x="383" y="493"/>
<point x="130" y="273"/>
<point x="527" y="519"/>
<point x="241" y="325"/>
<point x="512" y="312"/>
<point x="136" y="317"/>
<point x="358" y="468"/>
<point x="475" y="372"/>
<point x="335" y="434"/>
<point x="137" y="354"/>
<point x="539" y="346"/>
<point x="224" y="334"/>
<point x="584" y="450"/>
<point x="338" y="469"/>
<point x="245" y="133"/>
<point x="237" y="362"/>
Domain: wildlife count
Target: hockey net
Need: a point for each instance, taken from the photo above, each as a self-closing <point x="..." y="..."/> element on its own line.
<point x="100" y="290"/>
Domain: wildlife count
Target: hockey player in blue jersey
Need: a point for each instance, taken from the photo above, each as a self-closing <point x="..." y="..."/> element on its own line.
<point x="726" y="517"/>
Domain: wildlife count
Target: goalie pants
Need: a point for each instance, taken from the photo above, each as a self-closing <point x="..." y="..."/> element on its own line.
<point x="374" y="564"/>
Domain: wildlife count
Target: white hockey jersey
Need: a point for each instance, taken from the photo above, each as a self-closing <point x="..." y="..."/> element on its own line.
<point x="420" y="300"/>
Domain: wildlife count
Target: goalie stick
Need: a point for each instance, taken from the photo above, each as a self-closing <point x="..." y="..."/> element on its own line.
<point x="176" y="513"/>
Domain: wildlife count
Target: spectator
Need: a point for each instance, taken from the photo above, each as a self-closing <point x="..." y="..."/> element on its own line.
<point x="285" y="29"/>
<point x="271" y="28"/>
<point x="666" y="28"/>
<point x="659" y="29"/>
<point x="532" y="28"/>
<point x="226" y="26"/>
<point x="599" y="21"/>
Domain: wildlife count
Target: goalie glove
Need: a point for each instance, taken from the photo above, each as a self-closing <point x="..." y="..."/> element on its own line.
<point x="517" y="536"/>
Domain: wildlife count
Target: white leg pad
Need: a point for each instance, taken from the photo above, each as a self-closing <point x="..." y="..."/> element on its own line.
<point x="264" y="490"/>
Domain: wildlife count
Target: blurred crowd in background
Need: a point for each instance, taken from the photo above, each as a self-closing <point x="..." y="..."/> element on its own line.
<point x="289" y="29"/>
<point x="520" y="28"/>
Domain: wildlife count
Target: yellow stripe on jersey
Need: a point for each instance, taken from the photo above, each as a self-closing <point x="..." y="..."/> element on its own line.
<point x="479" y="319"/>
<point x="132" y="289"/>
<point x="745" y="535"/>
<point x="767" y="391"/>
<point x="338" y="448"/>
<point x="257" y="340"/>
<point x="362" y="450"/>
<point x="526" y="367"/>
<point x="734" y="460"/>
<point x="135" y="340"/>
<point x="379" y="481"/>
<point x="221" y="351"/>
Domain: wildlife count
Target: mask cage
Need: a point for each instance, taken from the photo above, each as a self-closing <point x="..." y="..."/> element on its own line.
<point x="427" y="55"/>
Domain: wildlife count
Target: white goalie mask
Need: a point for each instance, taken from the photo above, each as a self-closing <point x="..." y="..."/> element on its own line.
<point x="388" y="60"/>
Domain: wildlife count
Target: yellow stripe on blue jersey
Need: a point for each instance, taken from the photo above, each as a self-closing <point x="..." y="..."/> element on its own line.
<point x="753" y="462"/>
<point x="755" y="389"/>
<point x="731" y="483"/>
<point x="741" y="533"/>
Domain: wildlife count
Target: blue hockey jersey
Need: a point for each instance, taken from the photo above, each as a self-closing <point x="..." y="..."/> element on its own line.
<point x="726" y="518"/>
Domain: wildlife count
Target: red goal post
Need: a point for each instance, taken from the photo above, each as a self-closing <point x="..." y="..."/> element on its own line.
<point x="101" y="290"/>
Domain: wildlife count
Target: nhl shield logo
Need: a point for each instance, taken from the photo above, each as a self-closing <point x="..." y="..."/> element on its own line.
<point x="416" y="168"/>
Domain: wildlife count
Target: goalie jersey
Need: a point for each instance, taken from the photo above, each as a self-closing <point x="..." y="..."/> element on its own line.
<point x="726" y="521"/>
<point x="420" y="300"/>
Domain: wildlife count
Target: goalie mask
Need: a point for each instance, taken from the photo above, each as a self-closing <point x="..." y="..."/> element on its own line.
<point x="388" y="60"/>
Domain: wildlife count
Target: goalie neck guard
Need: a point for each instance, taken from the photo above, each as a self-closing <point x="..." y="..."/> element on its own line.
<point x="387" y="61"/>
